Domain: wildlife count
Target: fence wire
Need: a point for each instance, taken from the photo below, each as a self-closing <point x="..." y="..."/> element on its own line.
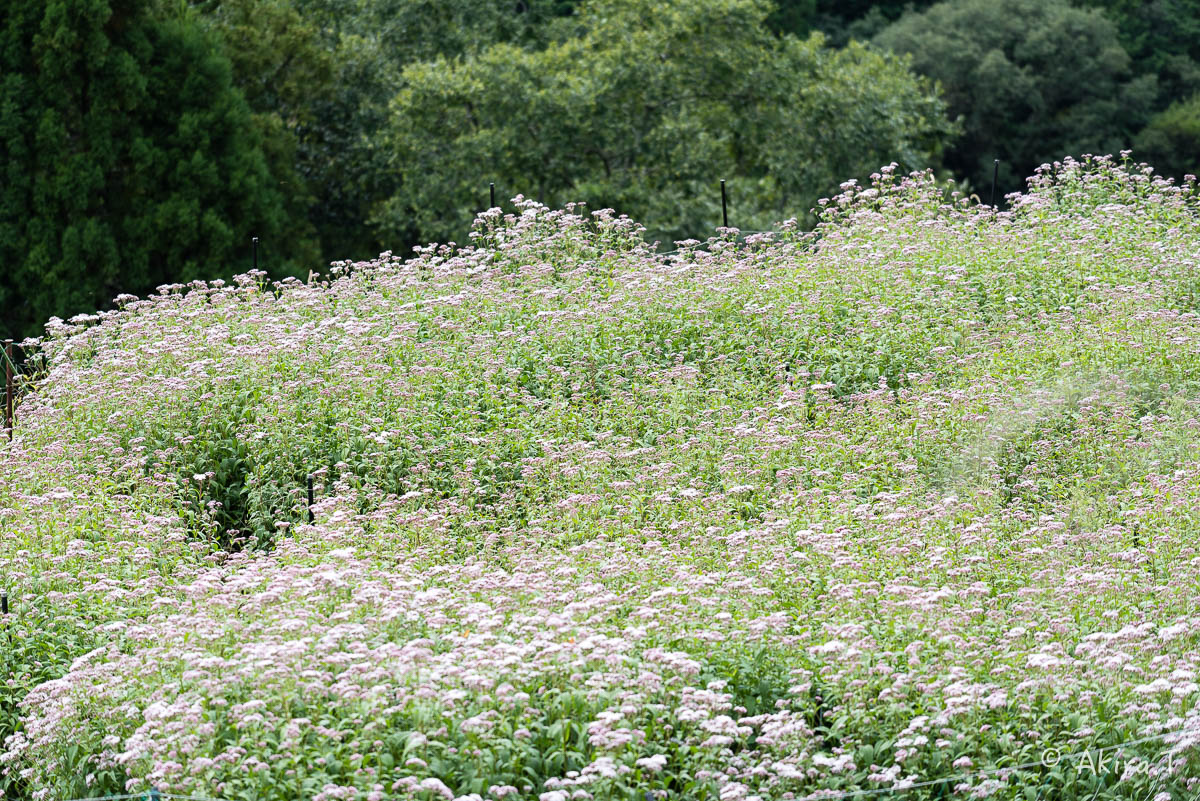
<point x="958" y="778"/>
<point x="152" y="795"/>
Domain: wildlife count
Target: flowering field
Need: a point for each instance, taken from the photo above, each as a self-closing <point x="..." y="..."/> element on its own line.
<point x="908" y="506"/>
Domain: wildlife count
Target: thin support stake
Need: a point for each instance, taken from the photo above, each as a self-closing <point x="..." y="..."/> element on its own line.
<point x="310" y="498"/>
<point x="4" y="602"/>
<point x="254" y="244"/>
<point x="724" y="206"/>
<point x="995" y="175"/>
<point x="492" y="188"/>
<point x="8" y="388"/>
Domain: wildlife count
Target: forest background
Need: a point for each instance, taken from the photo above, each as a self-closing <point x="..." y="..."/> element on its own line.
<point x="145" y="142"/>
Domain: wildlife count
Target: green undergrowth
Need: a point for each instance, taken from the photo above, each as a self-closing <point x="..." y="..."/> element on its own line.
<point x="898" y="507"/>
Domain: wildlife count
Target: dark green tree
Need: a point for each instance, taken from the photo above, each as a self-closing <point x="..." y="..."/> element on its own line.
<point x="1031" y="81"/>
<point x="840" y="20"/>
<point x="1163" y="39"/>
<point x="1171" y="142"/>
<point x="130" y="159"/>
<point x="318" y="75"/>
<point x="344" y="153"/>
<point x="644" y="112"/>
<point x="284" y="67"/>
<point x="422" y="30"/>
<point x="796" y="17"/>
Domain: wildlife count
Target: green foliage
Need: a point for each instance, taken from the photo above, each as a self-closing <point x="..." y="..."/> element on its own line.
<point x="1031" y="80"/>
<point x="211" y="465"/>
<point x="139" y="165"/>
<point x="792" y="16"/>
<point x="403" y="27"/>
<point x="34" y="648"/>
<point x="283" y="67"/>
<point x="844" y="20"/>
<point x="318" y="75"/>
<point x="1171" y="142"/>
<point x="917" y="491"/>
<point x="131" y="161"/>
<point x="345" y="59"/>
<point x="643" y="113"/>
<point x="311" y="86"/>
<point x="1162" y="38"/>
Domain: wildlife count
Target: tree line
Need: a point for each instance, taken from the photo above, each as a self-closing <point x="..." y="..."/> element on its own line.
<point x="146" y="141"/>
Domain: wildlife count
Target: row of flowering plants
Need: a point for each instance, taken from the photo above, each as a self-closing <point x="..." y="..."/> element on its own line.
<point x="906" y="507"/>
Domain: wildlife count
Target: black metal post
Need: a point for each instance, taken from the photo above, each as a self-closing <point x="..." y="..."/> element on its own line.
<point x="4" y="602"/>
<point x="254" y="243"/>
<point x="492" y="188"/>
<point x="995" y="175"/>
<point x="724" y="206"/>
<point x="8" y="388"/>
<point x="310" y="498"/>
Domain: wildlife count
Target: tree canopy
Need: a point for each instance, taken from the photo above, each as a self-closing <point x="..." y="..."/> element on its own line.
<point x="145" y="141"/>
<point x="1171" y="142"/>
<point x="1162" y="38"/>
<point x="643" y="112"/>
<point x="1012" y="71"/>
<point x="130" y="159"/>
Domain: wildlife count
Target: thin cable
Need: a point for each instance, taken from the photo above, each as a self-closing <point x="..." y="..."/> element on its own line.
<point x="146" y="795"/>
<point x="847" y="794"/>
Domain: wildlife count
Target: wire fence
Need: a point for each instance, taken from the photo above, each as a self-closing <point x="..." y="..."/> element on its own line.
<point x="20" y="374"/>
<point x="150" y="795"/>
<point x="1050" y="758"/>
<point x="9" y="400"/>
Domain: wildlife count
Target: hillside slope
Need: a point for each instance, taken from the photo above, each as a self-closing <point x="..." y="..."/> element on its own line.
<point x="907" y="500"/>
